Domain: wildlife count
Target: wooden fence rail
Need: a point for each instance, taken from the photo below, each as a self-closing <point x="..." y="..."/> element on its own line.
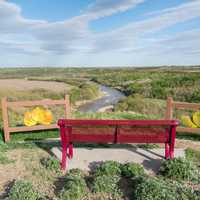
<point x="5" y="105"/>
<point x="171" y="105"/>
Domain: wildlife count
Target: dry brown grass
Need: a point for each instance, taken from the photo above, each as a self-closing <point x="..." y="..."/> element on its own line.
<point x="27" y="166"/>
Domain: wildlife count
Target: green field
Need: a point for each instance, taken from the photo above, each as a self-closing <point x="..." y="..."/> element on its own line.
<point x="146" y="90"/>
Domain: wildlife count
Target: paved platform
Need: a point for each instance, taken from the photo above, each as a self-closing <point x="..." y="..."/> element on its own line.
<point x="87" y="158"/>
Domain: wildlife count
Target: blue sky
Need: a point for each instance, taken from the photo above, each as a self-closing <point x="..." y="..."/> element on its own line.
<point x="99" y="32"/>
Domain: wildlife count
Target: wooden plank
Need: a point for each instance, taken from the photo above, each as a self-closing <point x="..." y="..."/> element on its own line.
<point x="159" y="138"/>
<point x="5" y="119"/>
<point x="184" y="105"/>
<point x="32" y="128"/>
<point x="92" y="138"/>
<point x="36" y="102"/>
<point x="188" y="130"/>
<point x="169" y="110"/>
<point x="101" y="122"/>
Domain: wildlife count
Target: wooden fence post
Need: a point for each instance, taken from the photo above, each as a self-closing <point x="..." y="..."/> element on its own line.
<point x="67" y="107"/>
<point x="5" y="119"/>
<point x="169" y="110"/>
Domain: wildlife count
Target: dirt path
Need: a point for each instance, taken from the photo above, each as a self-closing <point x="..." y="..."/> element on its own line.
<point x="21" y="85"/>
<point x="181" y="143"/>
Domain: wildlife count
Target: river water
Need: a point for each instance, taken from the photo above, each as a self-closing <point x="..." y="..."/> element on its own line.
<point x="111" y="98"/>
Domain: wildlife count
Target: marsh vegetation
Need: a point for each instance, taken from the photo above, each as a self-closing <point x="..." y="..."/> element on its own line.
<point x="145" y="90"/>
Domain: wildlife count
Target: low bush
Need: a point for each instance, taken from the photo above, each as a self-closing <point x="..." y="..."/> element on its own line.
<point x="131" y="170"/>
<point x="85" y="91"/>
<point x="149" y="188"/>
<point x="139" y="104"/>
<point x="76" y="172"/>
<point x="75" y="188"/>
<point x="107" y="184"/>
<point x="75" y="95"/>
<point x="23" y="190"/>
<point x="108" y="168"/>
<point x="193" y="155"/>
<point x="180" y="169"/>
<point x="52" y="164"/>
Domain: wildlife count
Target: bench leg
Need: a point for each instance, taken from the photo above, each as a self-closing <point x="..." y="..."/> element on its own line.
<point x="166" y="150"/>
<point x="71" y="151"/>
<point x="172" y="144"/>
<point x="64" y="148"/>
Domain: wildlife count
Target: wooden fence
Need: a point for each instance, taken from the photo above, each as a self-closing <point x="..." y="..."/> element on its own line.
<point x="171" y="105"/>
<point x="6" y="104"/>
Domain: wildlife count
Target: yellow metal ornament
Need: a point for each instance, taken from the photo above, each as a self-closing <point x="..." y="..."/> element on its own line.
<point x="47" y="118"/>
<point x="196" y="118"/>
<point x="28" y="119"/>
<point x="186" y="120"/>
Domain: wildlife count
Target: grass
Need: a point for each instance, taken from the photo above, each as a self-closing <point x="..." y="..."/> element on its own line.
<point x="139" y="104"/>
<point x="22" y="190"/>
<point x="193" y="155"/>
<point x="4" y="159"/>
<point x="46" y="178"/>
<point x="188" y="136"/>
<point x="146" y="90"/>
<point x="112" y="115"/>
<point x="155" y="84"/>
<point x="180" y="169"/>
<point x="133" y="183"/>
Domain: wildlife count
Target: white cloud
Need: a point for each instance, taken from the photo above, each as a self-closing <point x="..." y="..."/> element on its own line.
<point x="59" y="36"/>
<point x="73" y="36"/>
<point x="101" y="8"/>
<point x="124" y="37"/>
<point x="11" y="20"/>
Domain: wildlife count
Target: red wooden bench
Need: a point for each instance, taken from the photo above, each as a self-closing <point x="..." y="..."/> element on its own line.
<point x="116" y="131"/>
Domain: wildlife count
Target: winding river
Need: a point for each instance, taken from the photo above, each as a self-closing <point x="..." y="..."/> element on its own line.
<point x="112" y="96"/>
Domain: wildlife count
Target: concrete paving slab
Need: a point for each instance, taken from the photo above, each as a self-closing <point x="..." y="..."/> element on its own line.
<point x="88" y="158"/>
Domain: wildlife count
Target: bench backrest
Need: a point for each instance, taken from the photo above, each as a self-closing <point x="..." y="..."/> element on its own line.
<point x="117" y="131"/>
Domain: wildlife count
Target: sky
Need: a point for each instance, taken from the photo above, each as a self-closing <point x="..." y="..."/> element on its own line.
<point x="86" y="33"/>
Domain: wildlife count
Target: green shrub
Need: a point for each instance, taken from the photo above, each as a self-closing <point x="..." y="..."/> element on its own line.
<point x="132" y="169"/>
<point x="195" y="97"/>
<point x="75" y="95"/>
<point x="51" y="163"/>
<point x="74" y="188"/>
<point x="107" y="184"/>
<point x="109" y="168"/>
<point x="139" y="104"/>
<point x="89" y="91"/>
<point x="23" y="190"/>
<point x="193" y="155"/>
<point x="180" y="169"/>
<point x="76" y="172"/>
<point x="84" y="92"/>
<point x="149" y="188"/>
